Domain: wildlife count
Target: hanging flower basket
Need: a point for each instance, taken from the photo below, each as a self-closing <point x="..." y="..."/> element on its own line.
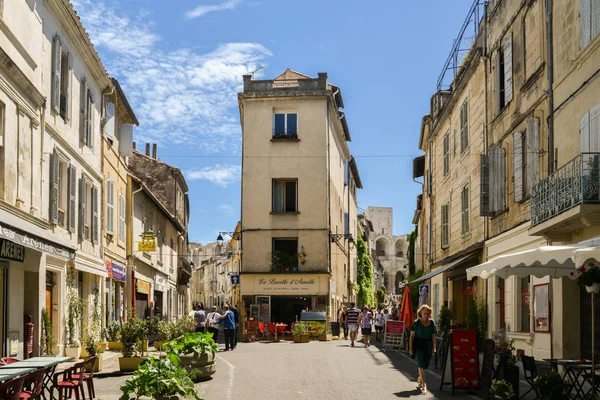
<point x="589" y="276"/>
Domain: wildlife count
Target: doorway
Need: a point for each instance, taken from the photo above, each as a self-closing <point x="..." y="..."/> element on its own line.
<point x="3" y="306"/>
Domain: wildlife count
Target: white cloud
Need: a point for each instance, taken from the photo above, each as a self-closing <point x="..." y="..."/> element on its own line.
<point x="180" y="96"/>
<point x="220" y="175"/>
<point x="203" y="10"/>
<point x="226" y="208"/>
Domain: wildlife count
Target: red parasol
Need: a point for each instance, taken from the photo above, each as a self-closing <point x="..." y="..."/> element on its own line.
<point x="406" y="309"/>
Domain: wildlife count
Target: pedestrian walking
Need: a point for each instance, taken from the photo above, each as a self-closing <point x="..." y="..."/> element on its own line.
<point x="422" y="343"/>
<point x="200" y="319"/>
<point x="379" y="324"/>
<point x="352" y="314"/>
<point x="365" y="320"/>
<point x="212" y="322"/>
<point x="343" y="320"/>
<point x="228" y="319"/>
<point x="236" y="318"/>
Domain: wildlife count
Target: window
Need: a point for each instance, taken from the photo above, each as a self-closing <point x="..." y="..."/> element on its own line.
<point x="63" y="178"/>
<point x="465" y="209"/>
<point x="445" y="230"/>
<point x="284" y="257"/>
<point x="526" y="159"/>
<point x="446" y="154"/>
<point x="172" y="252"/>
<point x="524" y="302"/>
<point x="493" y="182"/>
<point x="285" y="195"/>
<point x="285" y="125"/>
<point x="110" y="207"/>
<point x="121" y="218"/>
<point x="88" y="210"/>
<point x="464" y="127"/>
<point x="589" y="21"/>
<point x="86" y="126"/>
<point x="62" y="65"/>
<point x="504" y="75"/>
<point x="541" y="308"/>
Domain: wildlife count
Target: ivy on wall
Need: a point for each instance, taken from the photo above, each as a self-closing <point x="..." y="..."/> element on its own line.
<point x="411" y="252"/>
<point x="365" y="275"/>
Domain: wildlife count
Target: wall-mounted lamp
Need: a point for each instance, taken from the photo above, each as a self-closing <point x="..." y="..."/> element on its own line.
<point x="233" y="235"/>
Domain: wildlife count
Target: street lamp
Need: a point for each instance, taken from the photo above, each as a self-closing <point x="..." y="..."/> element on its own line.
<point x="233" y="235"/>
<point x="336" y="237"/>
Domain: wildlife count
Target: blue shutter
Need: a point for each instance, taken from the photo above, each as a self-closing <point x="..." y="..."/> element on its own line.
<point x="279" y="127"/>
<point x="346" y="223"/>
<point x="292" y="123"/>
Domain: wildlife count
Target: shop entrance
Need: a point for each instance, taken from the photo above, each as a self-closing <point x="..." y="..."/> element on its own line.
<point x="287" y="308"/>
<point x="3" y="306"/>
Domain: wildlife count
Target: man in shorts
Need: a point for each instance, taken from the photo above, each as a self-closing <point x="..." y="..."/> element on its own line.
<point x="352" y="314"/>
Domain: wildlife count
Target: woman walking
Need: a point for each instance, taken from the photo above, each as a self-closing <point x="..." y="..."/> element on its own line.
<point x="422" y="343"/>
<point x="365" y="321"/>
<point x="343" y="320"/>
<point x="379" y="324"/>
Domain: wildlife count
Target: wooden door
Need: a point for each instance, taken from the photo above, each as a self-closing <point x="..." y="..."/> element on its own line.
<point x="49" y="301"/>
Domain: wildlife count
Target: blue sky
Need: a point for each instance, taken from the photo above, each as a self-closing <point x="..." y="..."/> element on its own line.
<point x="181" y="65"/>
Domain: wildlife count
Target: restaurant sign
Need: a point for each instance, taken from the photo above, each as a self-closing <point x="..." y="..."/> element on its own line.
<point x="36" y="244"/>
<point x="143" y="287"/>
<point x="11" y="251"/>
<point x="285" y="284"/>
<point x="148" y="243"/>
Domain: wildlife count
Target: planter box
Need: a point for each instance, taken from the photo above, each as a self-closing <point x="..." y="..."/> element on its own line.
<point x="199" y="368"/>
<point x="74" y="352"/>
<point x="304" y="338"/>
<point x="158" y="344"/>
<point x="83" y="353"/>
<point x="103" y="346"/>
<point x="97" y="365"/>
<point x="130" y="364"/>
<point x="325" y="338"/>
<point x="115" y="345"/>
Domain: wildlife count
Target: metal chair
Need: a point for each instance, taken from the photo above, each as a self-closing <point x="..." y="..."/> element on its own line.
<point x="9" y="360"/>
<point x="33" y="384"/>
<point x="11" y="390"/>
<point x="88" y="377"/>
<point x="530" y="372"/>
<point x="271" y="329"/>
<point x="68" y="384"/>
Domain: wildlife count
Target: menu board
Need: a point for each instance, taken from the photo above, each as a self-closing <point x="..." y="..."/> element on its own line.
<point x="394" y="327"/>
<point x="464" y="359"/>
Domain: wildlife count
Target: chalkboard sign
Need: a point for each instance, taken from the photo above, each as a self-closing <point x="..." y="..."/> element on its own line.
<point x="462" y="361"/>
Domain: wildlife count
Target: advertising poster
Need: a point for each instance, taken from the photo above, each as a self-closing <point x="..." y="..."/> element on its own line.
<point x="464" y="359"/>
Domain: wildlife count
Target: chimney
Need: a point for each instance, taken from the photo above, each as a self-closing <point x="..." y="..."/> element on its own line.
<point x="148" y="149"/>
<point x="154" y="150"/>
<point x="134" y="145"/>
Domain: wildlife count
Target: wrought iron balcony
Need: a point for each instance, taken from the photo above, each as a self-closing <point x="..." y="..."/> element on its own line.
<point x="574" y="184"/>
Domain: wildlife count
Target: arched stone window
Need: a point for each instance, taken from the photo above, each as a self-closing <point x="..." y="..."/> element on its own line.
<point x="399" y="279"/>
<point x="400" y="248"/>
<point x="381" y="247"/>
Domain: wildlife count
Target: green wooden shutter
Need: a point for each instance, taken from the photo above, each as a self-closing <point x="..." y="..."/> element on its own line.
<point x="72" y="197"/>
<point x="82" y="200"/>
<point x="54" y="187"/>
<point x="95" y="225"/>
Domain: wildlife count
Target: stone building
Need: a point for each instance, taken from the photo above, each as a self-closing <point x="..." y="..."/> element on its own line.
<point x="297" y="243"/>
<point x="389" y="253"/>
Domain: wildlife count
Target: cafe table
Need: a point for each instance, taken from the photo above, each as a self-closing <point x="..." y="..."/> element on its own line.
<point x="277" y="329"/>
<point x="48" y="363"/>
<point x="8" y="374"/>
<point x="573" y="370"/>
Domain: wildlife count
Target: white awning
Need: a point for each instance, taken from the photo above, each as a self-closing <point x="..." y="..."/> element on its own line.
<point x="585" y="255"/>
<point x="553" y="261"/>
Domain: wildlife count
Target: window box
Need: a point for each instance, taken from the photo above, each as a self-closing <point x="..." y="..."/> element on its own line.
<point x="285" y="136"/>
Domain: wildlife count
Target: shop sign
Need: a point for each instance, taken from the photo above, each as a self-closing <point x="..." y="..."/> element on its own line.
<point x="160" y="283"/>
<point x="35" y="244"/>
<point x="11" y="250"/>
<point x="116" y="271"/>
<point x="143" y="287"/>
<point x="285" y="284"/>
<point x="468" y="290"/>
<point x="148" y="242"/>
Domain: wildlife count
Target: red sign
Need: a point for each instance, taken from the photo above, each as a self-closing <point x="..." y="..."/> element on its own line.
<point x="465" y="362"/>
<point x="394" y="327"/>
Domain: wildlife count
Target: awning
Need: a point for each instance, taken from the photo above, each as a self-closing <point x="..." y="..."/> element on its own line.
<point x="587" y="254"/>
<point x="445" y="268"/>
<point x="553" y="261"/>
<point x="96" y="268"/>
<point x="26" y="234"/>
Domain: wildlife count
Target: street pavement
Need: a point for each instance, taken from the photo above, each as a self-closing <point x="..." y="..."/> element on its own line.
<point x="315" y="370"/>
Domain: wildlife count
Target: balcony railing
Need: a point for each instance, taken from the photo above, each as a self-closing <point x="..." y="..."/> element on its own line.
<point x="575" y="183"/>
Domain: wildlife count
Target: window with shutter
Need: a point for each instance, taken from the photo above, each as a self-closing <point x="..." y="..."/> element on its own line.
<point x="532" y="149"/>
<point x="285" y="196"/>
<point x="110" y="207"/>
<point x="126" y="140"/>
<point x="346" y="172"/>
<point x="54" y="187"/>
<point x="465" y="210"/>
<point x="121" y="218"/>
<point x="508" y="70"/>
<point x="464" y="127"/>
<point x="500" y="185"/>
<point x="585" y="22"/>
<point x="89" y="127"/>
<point x="83" y="111"/>
<point x="484" y="186"/>
<point x="446" y="154"/>
<point x="95" y="216"/>
<point x="110" y="120"/>
<point x="56" y="73"/>
<point x="285" y="125"/>
<point x="346" y="223"/>
<point x="82" y="200"/>
<point x="444" y="227"/>
<point x="72" y="198"/>
<point x="518" y="166"/>
<point x="428" y="228"/>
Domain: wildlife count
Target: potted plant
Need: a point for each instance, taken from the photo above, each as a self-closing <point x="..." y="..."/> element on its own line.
<point x="132" y="329"/>
<point x="47" y="342"/>
<point x="325" y="335"/>
<point x="73" y="349"/>
<point x="164" y="331"/>
<point x="507" y="364"/>
<point x="550" y="386"/>
<point x="160" y="379"/>
<point x="93" y="348"/>
<point x="300" y="333"/>
<point x="112" y="334"/>
<point x="196" y="351"/>
<point x="502" y="389"/>
<point x="75" y="306"/>
<point x="589" y="276"/>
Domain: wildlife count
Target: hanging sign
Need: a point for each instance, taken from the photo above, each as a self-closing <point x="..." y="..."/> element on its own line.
<point x="115" y="271"/>
<point x="143" y="287"/>
<point x="461" y="360"/>
<point x="148" y="242"/>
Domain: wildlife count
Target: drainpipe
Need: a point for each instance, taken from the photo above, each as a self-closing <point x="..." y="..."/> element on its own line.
<point x="550" y="73"/>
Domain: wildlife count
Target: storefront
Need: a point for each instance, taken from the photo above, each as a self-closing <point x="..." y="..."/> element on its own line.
<point x="160" y="290"/>
<point x="115" y="291"/>
<point x="282" y="297"/>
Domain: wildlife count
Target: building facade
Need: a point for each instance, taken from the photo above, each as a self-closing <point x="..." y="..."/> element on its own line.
<point x="297" y="243"/>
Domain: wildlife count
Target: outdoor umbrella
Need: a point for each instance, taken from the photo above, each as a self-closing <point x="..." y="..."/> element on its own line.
<point x="406" y="309"/>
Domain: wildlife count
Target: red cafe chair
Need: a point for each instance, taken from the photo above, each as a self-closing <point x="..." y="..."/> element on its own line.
<point x="271" y="328"/>
<point x="88" y="377"/>
<point x="11" y="390"/>
<point x="261" y="328"/>
<point x="9" y="360"/>
<point x="67" y="385"/>
<point x="33" y="384"/>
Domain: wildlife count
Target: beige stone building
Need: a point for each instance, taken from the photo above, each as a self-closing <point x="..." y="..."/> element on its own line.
<point x="297" y="250"/>
<point x="117" y="147"/>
